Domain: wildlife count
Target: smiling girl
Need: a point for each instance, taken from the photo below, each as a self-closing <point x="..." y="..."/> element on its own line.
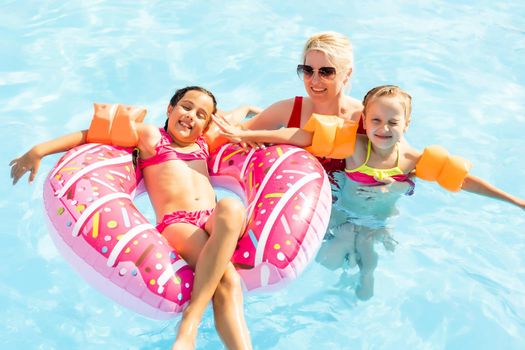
<point x="205" y="233"/>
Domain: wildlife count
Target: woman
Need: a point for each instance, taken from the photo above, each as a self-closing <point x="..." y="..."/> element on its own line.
<point x="326" y="69"/>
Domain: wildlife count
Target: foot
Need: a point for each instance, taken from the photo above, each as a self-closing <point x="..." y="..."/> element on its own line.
<point x="184" y="343"/>
<point x="187" y="333"/>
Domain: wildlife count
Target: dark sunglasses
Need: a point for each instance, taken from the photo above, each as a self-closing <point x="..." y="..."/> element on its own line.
<point x="306" y="71"/>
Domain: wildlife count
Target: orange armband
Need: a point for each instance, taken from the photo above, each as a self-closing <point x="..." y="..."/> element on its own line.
<point x="436" y="164"/>
<point x="115" y="124"/>
<point x="213" y="138"/>
<point x="333" y="137"/>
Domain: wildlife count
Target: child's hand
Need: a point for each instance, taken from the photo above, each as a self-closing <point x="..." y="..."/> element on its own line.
<point x="30" y="161"/>
<point x="386" y="180"/>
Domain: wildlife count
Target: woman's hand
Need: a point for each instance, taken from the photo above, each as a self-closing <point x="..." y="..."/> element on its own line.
<point x="30" y="161"/>
<point x="235" y="133"/>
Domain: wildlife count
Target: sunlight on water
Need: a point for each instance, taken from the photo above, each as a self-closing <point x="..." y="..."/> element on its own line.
<point x="451" y="273"/>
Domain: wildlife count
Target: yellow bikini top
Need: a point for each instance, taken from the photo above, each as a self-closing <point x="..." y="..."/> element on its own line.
<point x="374" y="172"/>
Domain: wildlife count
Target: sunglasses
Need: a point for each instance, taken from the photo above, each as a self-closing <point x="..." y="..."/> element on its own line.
<point x="305" y="71"/>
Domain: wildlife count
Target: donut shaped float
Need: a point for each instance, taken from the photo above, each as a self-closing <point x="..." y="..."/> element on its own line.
<point x="89" y="195"/>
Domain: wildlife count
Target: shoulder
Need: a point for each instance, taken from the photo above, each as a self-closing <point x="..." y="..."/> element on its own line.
<point x="359" y="156"/>
<point x="355" y="108"/>
<point x="409" y="156"/>
<point x="149" y="136"/>
<point x="272" y="117"/>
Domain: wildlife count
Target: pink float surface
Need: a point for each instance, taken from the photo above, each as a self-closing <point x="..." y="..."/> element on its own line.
<point x="95" y="225"/>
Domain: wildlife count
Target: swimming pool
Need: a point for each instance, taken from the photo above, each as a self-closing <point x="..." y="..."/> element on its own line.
<point x="456" y="279"/>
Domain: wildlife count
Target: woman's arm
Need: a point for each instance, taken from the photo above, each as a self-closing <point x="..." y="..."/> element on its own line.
<point x="479" y="186"/>
<point x="273" y="117"/>
<point x="30" y="161"/>
<point x="292" y="136"/>
<point x="237" y="115"/>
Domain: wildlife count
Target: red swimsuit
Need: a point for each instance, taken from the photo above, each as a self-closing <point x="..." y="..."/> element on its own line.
<point x="329" y="164"/>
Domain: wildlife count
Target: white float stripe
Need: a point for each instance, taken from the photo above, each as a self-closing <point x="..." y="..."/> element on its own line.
<point x="269" y="174"/>
<point x="285" y="225"/>
<point x="218" y="157"/>
<point x="94" y="206"/>
<point x="269" y="224"/>
<point x="117" y="173"/>
<point x="295" y="172"/>
<point x="246" y="161"/>
<point x="99" y="164"/>
<point x="71" y="156"/>
<point x="94" y="179"/>
<point x="125" y="216"/>
<point x="125" y="239"/>
<point x="169" y="273"/>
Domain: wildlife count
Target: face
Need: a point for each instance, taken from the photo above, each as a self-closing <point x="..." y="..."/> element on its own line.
<point x="385" y="122"/>
<point x="322" y="87"/>
<point x="188" y="119"/>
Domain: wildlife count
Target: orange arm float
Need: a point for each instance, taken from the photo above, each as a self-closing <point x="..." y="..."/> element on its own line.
<point x="114" y="124"/>
<point x="435" y="164"/>
<point x="213" y="138"/>
<point x="333" y="137"/>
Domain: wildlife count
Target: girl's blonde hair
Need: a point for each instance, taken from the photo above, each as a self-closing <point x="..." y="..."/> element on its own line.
<point x="389" y="91"/>
<point x="336" y="45"/>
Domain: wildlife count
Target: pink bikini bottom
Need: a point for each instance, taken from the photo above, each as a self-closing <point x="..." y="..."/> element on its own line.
<point x="197" y="218"/>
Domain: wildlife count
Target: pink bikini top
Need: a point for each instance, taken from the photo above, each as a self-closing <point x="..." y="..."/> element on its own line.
<point x="165" y="152"/>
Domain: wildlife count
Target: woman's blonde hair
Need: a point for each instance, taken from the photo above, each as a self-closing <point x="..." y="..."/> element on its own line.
<point x="336" y="45"/>
<point x="389" y="91"/>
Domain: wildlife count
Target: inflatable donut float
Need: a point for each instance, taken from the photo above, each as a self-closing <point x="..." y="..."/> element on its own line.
<point x="89" y="195"/>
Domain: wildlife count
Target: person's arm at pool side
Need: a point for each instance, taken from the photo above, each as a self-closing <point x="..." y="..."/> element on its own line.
<point x="479" y="186"/>
<point x="273" y="117"/>
<point x="30" y="161"/>
<point x="291" y="136"/>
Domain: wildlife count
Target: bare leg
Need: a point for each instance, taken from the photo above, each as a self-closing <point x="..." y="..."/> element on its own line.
<point x="225" y="226"/>
<point x="229" y="312"/>
<point x="367" y="263"/>
<point x="333" y="252"/>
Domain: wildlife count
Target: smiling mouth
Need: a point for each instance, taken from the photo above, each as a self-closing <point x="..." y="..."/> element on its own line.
<point x="185" y="125"/>
<point x="316" y="90"/>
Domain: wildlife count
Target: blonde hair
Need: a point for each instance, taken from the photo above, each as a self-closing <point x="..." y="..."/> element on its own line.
<point x="336" y="45"/>
<point x="389" y="91"/>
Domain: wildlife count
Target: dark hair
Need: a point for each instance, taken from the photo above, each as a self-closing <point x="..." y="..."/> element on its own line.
<point x="179" y="94"/>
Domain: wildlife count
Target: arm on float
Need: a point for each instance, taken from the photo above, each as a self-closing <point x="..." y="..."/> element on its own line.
<point x="213" y="134"/>
<point x="479" y="186"/>
<point x="291" y="136"/>
<point x="111" y="124"/>
<point x="30" y="161"/>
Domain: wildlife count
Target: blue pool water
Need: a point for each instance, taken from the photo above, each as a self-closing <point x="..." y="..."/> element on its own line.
<point x="456" y="279"/>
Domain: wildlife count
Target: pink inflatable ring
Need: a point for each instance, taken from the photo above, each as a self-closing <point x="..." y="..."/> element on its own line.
<point x="89" y="195"/>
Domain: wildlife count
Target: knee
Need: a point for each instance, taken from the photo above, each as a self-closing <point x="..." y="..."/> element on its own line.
<point x="229" y="286"/>
<point x="228" y="208"/>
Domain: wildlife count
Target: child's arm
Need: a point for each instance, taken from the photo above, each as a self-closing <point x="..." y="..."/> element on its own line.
<point x="292" y="136"/>
<point x="476" y="185"/>
<point x="30" y="161"/>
